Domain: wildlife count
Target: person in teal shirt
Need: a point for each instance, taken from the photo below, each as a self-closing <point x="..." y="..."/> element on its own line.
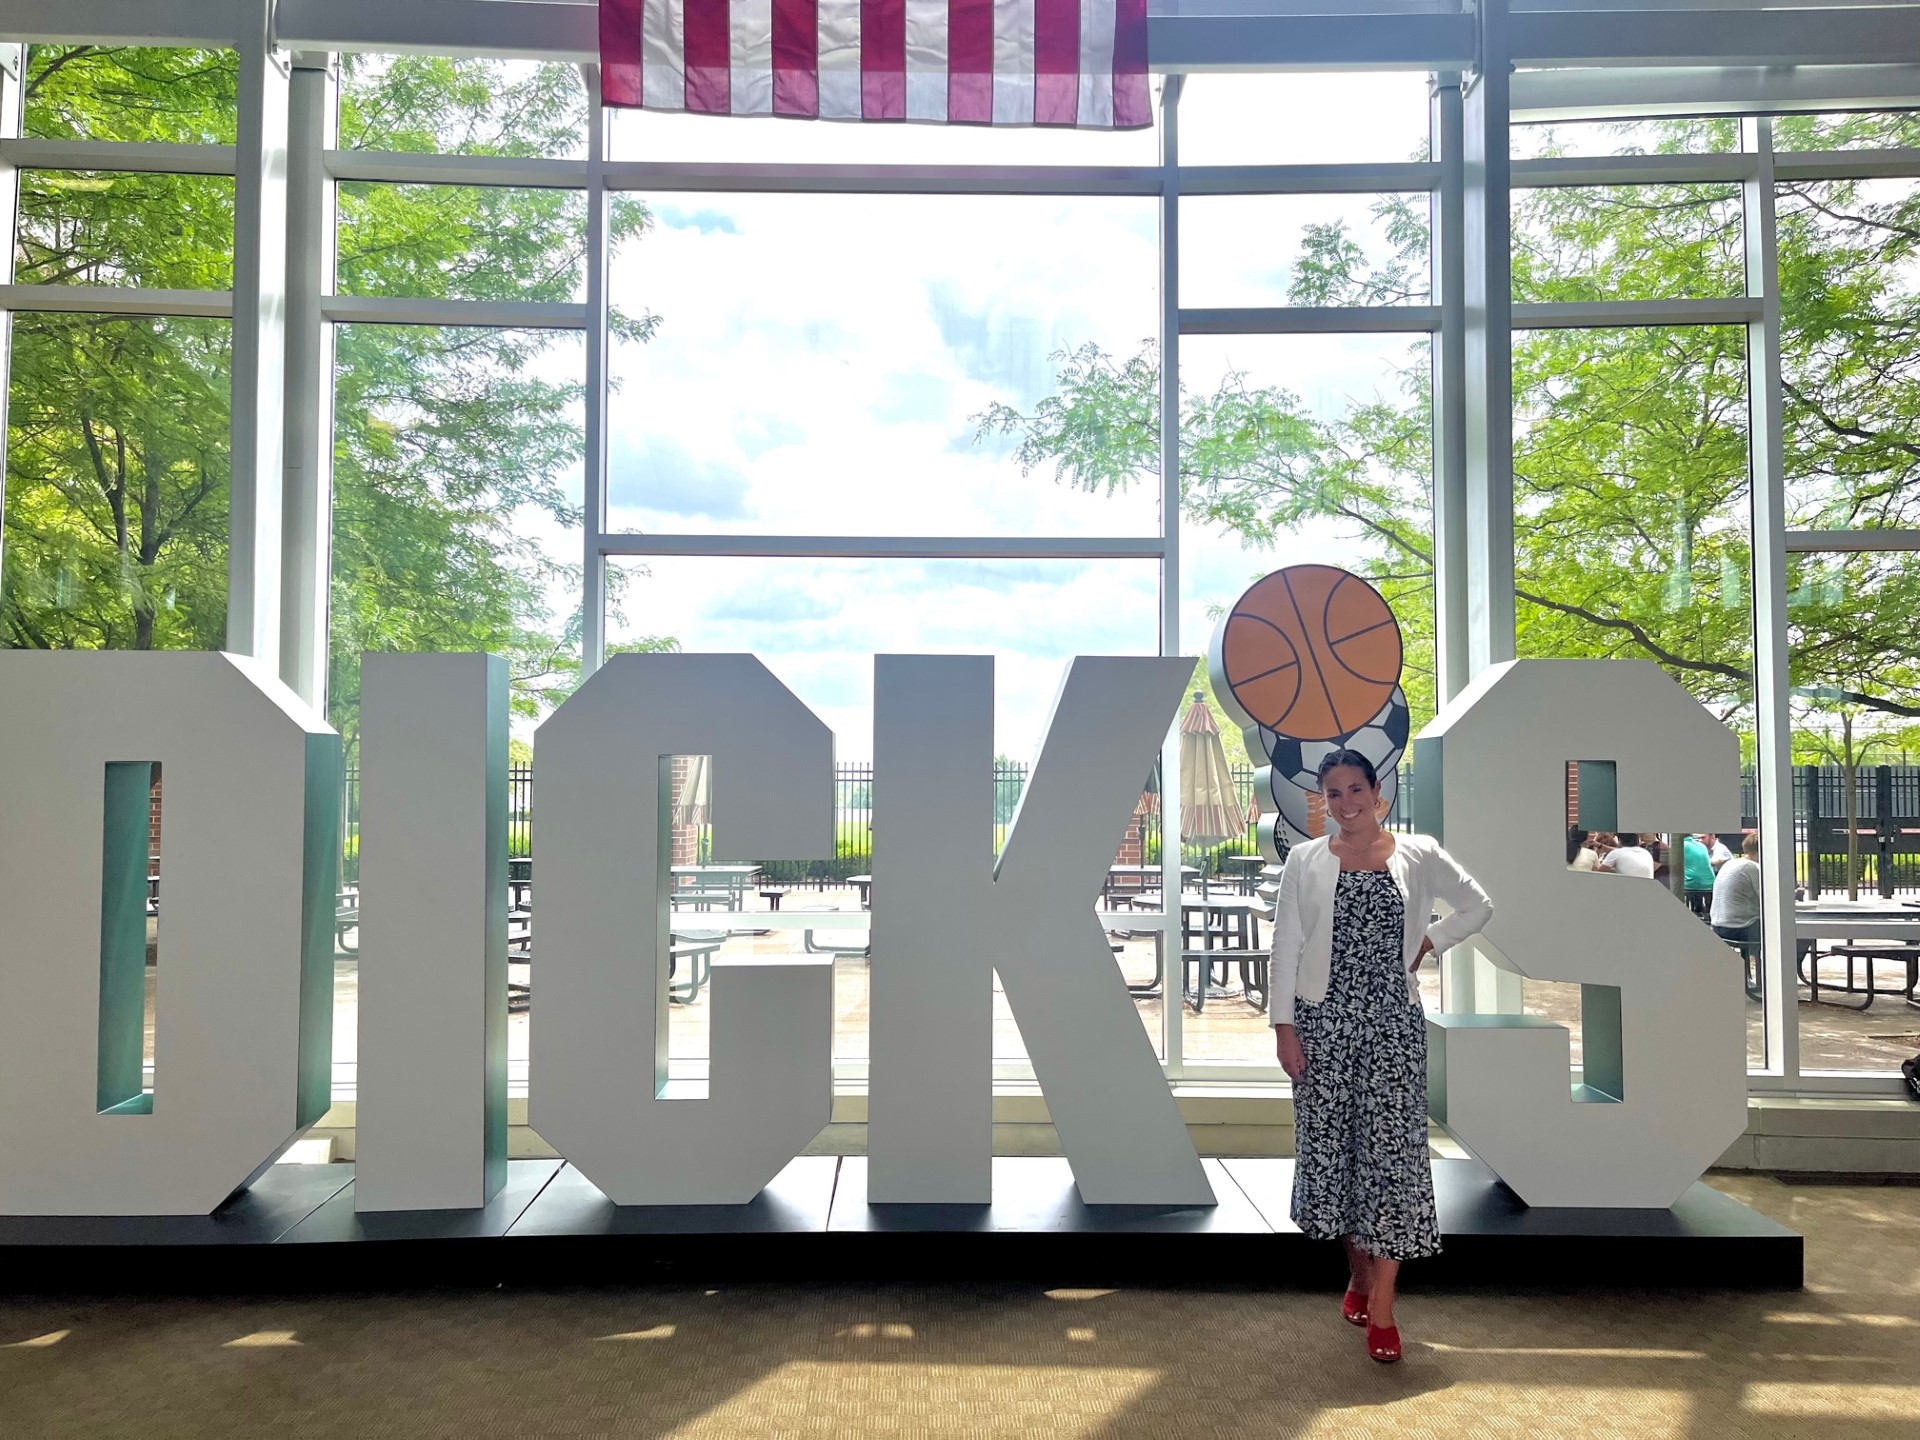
<point x="1698" y="872"/>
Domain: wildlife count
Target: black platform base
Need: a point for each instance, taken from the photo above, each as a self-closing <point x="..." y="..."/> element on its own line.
<point x="296" y="1229"/>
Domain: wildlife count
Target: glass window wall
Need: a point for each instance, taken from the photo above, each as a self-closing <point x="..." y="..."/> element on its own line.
<point x="131" y="93"/>
<point x="817" y="623"/>
<point x="973" y="366"/>
<point x="1627" y="242"/>
<point x="1633" y="540"/>
<point x="1304" y="250"/>
<point x="1297" y="450"/>
<point x="848" y="365"/>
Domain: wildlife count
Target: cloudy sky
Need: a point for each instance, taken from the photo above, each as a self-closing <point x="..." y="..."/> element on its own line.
<point x="820" y="360"/>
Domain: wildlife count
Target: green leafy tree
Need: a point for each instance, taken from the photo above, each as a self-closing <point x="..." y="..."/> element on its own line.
<point x="117" y="455"/>
<point x="446" y="440"/>
<point x="1632" y="497"/>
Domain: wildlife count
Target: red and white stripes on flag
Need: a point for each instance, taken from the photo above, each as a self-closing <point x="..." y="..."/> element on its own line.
<point x="970" y="62"/>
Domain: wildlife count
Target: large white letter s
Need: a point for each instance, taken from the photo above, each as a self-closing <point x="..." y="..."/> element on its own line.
<point x="1664" y="1032"/>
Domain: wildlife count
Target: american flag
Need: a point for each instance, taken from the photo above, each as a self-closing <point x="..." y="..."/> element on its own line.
<point x="971" y="62"/>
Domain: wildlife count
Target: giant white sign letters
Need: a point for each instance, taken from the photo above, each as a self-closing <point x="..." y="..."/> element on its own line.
<point x="251" y="838"/>
<point x="1663" y="1023"/>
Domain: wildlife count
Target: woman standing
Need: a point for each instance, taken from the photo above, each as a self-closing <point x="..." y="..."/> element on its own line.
<point x="1349" y="929"/>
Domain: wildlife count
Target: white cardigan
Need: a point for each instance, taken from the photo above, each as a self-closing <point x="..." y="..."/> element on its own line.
<point x="1303" y="915"/>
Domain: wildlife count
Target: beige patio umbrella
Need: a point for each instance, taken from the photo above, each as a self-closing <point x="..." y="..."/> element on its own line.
<point x="692" y="796"/>
<point x="1210" y="809"/>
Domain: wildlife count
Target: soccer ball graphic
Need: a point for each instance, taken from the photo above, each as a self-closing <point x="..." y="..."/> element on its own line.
<point x="1290" y="800"/>
<point x="1294" y="771"/>
<point x="1383" y="740"/>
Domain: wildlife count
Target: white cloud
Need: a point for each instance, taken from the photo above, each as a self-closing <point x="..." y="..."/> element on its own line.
<point x="820" y="358"/>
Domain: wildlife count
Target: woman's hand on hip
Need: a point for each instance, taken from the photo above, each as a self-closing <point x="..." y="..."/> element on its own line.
<point x="1286" y="1044"/>
<point x="1426" y="949"/>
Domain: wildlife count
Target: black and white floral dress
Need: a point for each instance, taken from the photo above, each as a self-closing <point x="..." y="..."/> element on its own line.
<point x="1360" y="1113"/>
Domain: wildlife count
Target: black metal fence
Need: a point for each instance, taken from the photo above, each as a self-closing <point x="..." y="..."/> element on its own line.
<point x="1886" y="827"/>
<point x="853" y="822"/>
<point x="1886" y="824"/>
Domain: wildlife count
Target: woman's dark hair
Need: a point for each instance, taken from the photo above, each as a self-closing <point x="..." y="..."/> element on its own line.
<point x="1576" y="842"/>
<point x="1347" y="757"/>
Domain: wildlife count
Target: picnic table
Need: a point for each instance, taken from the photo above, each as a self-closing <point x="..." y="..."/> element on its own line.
<point x="1247" y="870"/>
<point x="706" y="887"/>
<point x="845" y="948"/>
<point x="1868" y="930"/>
<point x="1233" y="921"/>
<point x="1128" y="882"/>
<point x="346" y="916"/>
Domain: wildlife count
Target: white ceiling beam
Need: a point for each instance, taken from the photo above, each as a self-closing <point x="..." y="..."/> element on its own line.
<point x="1561" y="7"/>
<point x="212" y="24"/>
<point x="1393" y="41"/>
<point x="561" y="30"/>
<point x="1866" y="35"/>
<point x="1266" y="34"/>
<point x="1626" y="93"/>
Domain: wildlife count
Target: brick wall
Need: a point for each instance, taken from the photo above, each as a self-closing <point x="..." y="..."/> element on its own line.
<point x="153" y="825"/>
<point x="686" y="838"/>
<point x="1133" y="845"/>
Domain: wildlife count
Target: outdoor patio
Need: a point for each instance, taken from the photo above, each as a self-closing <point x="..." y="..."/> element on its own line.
<point x="1833" y="1036"/>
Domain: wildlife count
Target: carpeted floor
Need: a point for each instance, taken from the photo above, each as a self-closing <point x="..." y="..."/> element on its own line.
<point x="1838" y="1361"/>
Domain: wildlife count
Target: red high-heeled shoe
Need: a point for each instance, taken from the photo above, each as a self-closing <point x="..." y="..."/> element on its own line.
<point x="1353" y="1305"/>
<point x="1383" y="1343"/>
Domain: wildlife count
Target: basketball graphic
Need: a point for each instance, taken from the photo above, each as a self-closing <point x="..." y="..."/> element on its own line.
<point x="1308" y="662"/>
<point x="1310" y="652"/>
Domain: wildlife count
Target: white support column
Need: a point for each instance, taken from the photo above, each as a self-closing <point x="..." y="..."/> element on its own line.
<point x="307" y="496"/>
<point x="1486" y="290"/>
<point x="1487" y="285"/>
<point x="259" y="346"/>
<point x="593" y="574"/>
<point x="1169" y="941"/>
<point x="13" y="64"/>
<point x="1772" y="661"/>
<point x="1447" y="212"/>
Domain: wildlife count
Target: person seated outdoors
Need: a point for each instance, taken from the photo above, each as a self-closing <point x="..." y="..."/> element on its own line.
<point x="1697" y="863"/>
<point x="1717" y="852"/>
<point x="1735" y="915"/>
<point x="1580" y="852"/>
<point x="1628" y="857"/>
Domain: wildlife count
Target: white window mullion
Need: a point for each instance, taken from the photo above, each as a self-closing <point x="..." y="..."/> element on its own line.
<point x="259" y="351"/>
<point x="1772" y="658"/>
<point x="593" y="579"/>
<point x="13" y="61"/>
<point x="1173" y="968"/>
<point x="307" y="496"/>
